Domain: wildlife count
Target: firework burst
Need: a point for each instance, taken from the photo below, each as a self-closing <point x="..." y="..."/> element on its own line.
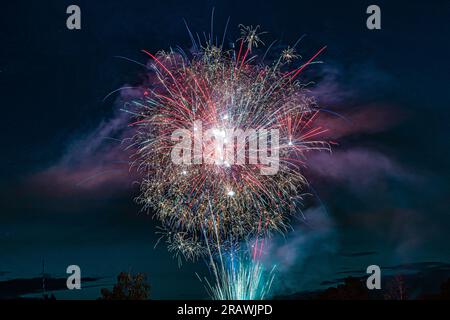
<point x="210" y="206"/>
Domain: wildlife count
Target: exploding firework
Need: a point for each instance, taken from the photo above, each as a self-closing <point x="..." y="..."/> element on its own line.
<point x="219" y="197"/>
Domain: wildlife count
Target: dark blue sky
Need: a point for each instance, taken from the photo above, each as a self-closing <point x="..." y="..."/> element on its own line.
<point x="384" y="193"/>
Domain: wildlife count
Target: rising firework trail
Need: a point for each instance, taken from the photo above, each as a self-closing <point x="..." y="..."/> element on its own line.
<point x="223" y="200"/>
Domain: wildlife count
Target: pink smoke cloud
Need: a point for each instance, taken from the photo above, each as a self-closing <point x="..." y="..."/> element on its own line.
<point x="369" y="119"/>
<point x="96" y="162"/>
<point x="357" y="168"/>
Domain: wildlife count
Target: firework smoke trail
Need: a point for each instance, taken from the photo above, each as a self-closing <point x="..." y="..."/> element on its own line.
<point x="212" y="206"/>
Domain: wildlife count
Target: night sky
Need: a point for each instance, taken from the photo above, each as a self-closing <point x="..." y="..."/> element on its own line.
<point x="67" y="196"/>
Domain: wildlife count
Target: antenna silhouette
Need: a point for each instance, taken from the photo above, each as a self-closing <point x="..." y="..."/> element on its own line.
<point x="43" y="278"/>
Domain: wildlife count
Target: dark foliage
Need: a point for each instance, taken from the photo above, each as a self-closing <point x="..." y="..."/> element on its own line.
<point x="128" y="287"/>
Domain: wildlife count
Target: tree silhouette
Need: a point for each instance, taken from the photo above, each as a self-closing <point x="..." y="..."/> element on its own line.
<point x="396" y="289"/>
<point x="444" y="293"/>
<point x="128" y="287"/>
<point x="445" y="290"/>
<point x="352" y="289"/>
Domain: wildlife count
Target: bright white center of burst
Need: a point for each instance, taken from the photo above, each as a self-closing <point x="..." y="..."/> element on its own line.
<point x="230" y="193"/>
<point x="184" y="172"/>
<point x="219" y="133"/>
<point x="290" y="143"/>
<point x="221" y="139"/>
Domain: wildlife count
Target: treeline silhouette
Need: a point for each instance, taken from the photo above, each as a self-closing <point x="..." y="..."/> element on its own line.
<point x="396" y="289"/>
<point x="136" y="287"/>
